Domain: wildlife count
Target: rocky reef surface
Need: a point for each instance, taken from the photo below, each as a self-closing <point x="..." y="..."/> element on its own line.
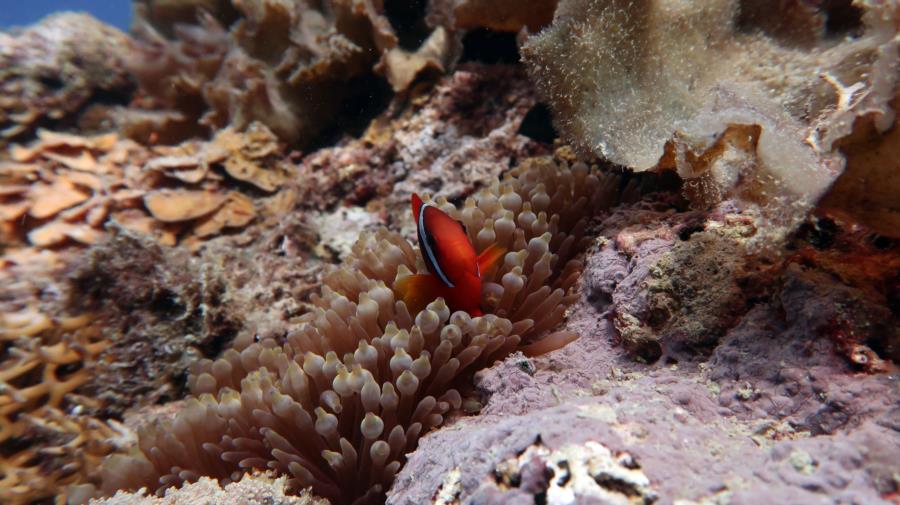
<point x="203" y="224"/>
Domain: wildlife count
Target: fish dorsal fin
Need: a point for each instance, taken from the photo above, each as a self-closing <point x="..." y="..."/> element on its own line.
<point x="428" y="244"/>
<point x="416" y="206"/>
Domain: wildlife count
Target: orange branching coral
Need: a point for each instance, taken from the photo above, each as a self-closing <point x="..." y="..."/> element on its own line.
<point x="339" y="402"/>
<point x="43" y="360"/>
<point x="63" y="457"/>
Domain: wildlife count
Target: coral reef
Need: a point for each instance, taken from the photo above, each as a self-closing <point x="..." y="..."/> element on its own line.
<point x="50" y="437"/>
<point x="189" y="297"/>
<point x="680" y="281"/>
<point x="741" y="102"/>
<point x="588" y="471"/>
<point x="55" y="72"/>
<point x="290" y="65"/>
<point x="344" y="397"/>
<point x="64" y="376"/>
<point x="165" y="308"/>
<point x="169" y="308"/>
<point x="63" y="187"/>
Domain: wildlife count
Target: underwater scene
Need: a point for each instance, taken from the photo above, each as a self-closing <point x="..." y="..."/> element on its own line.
<point x="447" y="252"/>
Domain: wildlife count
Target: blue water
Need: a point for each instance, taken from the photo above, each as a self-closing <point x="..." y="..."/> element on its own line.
<point x="26" y="12"/>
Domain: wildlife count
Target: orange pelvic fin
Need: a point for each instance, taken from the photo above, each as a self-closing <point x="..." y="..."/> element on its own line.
<point x="419" y="290"/>
<point x="489" y="257"/>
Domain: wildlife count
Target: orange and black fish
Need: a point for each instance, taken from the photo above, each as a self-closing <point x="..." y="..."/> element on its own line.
<point x="450" y="257"/>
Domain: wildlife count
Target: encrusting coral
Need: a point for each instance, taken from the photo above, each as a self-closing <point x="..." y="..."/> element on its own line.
<point x="338" y="403"/>
<point x="739" y="101"/>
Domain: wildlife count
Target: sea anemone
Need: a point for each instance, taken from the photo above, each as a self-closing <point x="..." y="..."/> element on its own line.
<point x="338" y="402"/>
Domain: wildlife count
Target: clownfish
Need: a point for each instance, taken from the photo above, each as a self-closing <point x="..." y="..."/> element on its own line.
<point x="455" y="269"/>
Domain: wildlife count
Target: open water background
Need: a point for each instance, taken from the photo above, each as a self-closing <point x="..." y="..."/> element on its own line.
<point x="25" y="12"/>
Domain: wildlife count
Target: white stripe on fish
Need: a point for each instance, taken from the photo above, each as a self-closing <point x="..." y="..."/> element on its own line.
<point x="430" y="257"/>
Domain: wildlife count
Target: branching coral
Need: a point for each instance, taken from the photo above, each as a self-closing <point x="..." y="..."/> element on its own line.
<point x="288" y="64"/>
<point x="743" y="98"/>
<point x="64" y="455"/>
<point x="339" y="402"/>
<point x="42" y="362"/>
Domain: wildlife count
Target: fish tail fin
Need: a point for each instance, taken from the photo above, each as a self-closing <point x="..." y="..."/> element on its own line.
<point x="416" y="205"/>
<point x="489" y="257"/>
<point x="419" y="290"/>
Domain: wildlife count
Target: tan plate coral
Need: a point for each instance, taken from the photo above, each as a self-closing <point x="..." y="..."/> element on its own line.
<point x="63" y="188"/>
<point x="339" y="402"/>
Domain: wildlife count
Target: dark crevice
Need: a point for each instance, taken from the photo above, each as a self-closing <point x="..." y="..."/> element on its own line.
<point x="407" y="17"/>
<point x="648" y="350"/>
<point x="819" y="232"/>
<point x="372" y="96"/>
<point x="882" y="242"/>
<point x="538" y="124"/>
<point x="686" y="232"/>
<point x="600" y="300"/>
<point x="842" y="18"/>
<point x="52" y="82"/>
<point x="613" y="483"/>
<point x="487" y="46"/>
<point x="166" y="305"/>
